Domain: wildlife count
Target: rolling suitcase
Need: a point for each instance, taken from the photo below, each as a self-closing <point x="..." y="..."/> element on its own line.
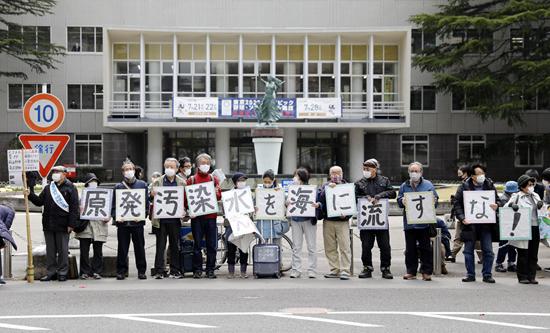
<point x="186" y="251"/>
<point x="266" y="259"/>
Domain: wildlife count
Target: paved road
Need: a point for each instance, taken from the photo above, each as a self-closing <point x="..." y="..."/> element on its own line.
<point x="305" y="305"/>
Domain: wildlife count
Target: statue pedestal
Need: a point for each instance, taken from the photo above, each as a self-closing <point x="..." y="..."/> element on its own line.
<point x="267" y="148"/>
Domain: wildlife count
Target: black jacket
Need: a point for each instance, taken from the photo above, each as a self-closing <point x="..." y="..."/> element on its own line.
<point x="473" y="231"/>
<point x="378" y="187"/>
<point x="53" y="217"/>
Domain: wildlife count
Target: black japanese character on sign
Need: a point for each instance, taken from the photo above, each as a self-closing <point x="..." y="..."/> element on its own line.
<point x="473" y="205"/>
<point x="200" y="198"/>
<point x="300" y="200"/>
<point x="235" y="200"/>
<point x="130" y="202"/>
<point x="419" y="205"/>
<point x="95" y="204"/>
<point x="334" y="201"/>
<point x="270" y="204"/>
<point x="167" y="198"/>
<point x="373" y="215"/>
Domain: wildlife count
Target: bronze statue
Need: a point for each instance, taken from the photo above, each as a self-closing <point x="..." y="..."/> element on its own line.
<point x="268" y="111"/>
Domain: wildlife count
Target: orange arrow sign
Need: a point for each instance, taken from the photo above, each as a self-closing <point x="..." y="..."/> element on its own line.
<point x="49" y="148"/>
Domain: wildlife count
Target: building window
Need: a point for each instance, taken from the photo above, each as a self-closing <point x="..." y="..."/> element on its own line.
<point x="290" y="68"/>
<point x="471" y="147"/>
<point x="458" y="100"/>
<point x="84" y="39"/>
<point x="461" y="36"/>
<point x="423" y="98"/>
<point x="414" y="148"/>
<point x="158" y="74"/>
<point x="88" y="149"/>
<point x="192" y="70"/>
<point x="189" y="143"/>
<point x="321" y="79"/>
<point x="242" y="156"/>
<point x="529" y="151"/>
<point x="18" y="94"/>
<point x="529" y="40"/>
<point x="126" y="75"/>
<point x="318" y="151"/>
<point x="536" y="102"/>
<point x="256" y="62"/>
<point x="422" y="40"/>
<point x="85" y="96"/>
<point x="34" y="37"/>
<point x="224" y="70"/>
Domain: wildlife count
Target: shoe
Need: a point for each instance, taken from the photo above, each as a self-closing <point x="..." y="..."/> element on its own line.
<point x="311" y="275"/>
<point x="444" y="270"/>
<point x="231" y="276"/>
<point x="479" y="262"/>
<point x="142" y="276"/>
<point x="84" y="277"/>
<point x="48" y="278"/>
<point x="159" y="276"/>
<point x="96" y="276"/>
<point x="450" y="259"/>
<point x="2" y="281"/>
<point x="176" y="275"/>
<point x="62" y="278"/>
<point x="210" y="275"/>
<point x="469" y="279"/>
<point x="533" y="281"/>
<point x="547" y="269"/>
<point x="197" y="275"/>
<point x="344" y="276"/>
<point x="524" y="281"/>
<point x="539" y="268"/>
<point x="488" y="279"/>
<point x="244" y="275"/>
<point x="512" y="268"/>
<point x="386" y="274"/>
<point x="120" y="277"/>
<point x="409" y="276"/>
<point x="295" y="275"/>
<point x="426" y="277"/>
<point x="500" y="268"/>
<point x="366" y="273"/>
<point x="331" y="276"/>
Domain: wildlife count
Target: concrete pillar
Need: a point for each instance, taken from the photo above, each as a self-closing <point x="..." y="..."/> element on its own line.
<point x="370" y="84"/>
<point x="222" y="149"/>
<point x="142" y="75"/>
<point x="337" y="71"/>
<point x="357" y="84"/>
<point x="154" y="151"/>
<point x="290" y="71"/>
<point x="305" y="82"/>
<point x="240" y="79"/>
<point x="290" y="150"/>
<point x="273" y="55"/>
<point x="221" y="80"/>
<point x="175" y="67"/>
<point x="356" y="154"/>
<point x="207" y="86"/>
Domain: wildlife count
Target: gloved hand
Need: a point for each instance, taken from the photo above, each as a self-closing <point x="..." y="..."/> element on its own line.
<point x="515" y="207"/>
<point x="540" y="204"/>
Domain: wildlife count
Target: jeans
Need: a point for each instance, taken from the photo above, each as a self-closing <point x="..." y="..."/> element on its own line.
<point x="505" y="250"/>
<point x="486" y="250"/>
<point x="202" y="227"/>
<point x="367" y="243"/>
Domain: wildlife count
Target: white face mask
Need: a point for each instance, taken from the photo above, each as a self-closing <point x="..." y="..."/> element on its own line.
<point x="129" y="174"/>
<point x="92" y="185"/>
<point x="170" y="172"/>
<point x="241" y="184"/>
<point x="367" y="174"/>
<point x="187" y="172"/>
<point x="480" y="179"/>
<point x="415" y="176"/>
<point x="546" y="184"/>
<point x="296" y="180"/>
<point x="531" y="189"/>
<point x="56" y="177"/>
<point x="204" y="168"/>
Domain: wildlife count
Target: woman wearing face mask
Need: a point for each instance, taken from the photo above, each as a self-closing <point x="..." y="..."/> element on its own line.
<point x="185" y="167"/>
<point x="95" y="235"/>
<point x="546" y="183"/>
<point x="239" y="182"/>
<point x="527" y="250"/>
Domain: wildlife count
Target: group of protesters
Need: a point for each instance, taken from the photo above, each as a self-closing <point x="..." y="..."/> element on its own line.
<point x="62" y="208"/>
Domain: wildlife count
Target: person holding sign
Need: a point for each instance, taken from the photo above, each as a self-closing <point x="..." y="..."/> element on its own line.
<point x="374" y="187"/>
<point x="486" y="233"/>
<point x="504" y="248"/>
<point x="96" y="231"/>
<point x="59" y="217"/>
<point x="417" y="235"/>
<point x="527" y="250"/>
<point x="130" y="220"/>
<point x="167" y="227"/>
<point x="271" y="228"/>
<point x="336" y="228"/>
<point x="7" y="214"/>
<point x="204" y="225"/>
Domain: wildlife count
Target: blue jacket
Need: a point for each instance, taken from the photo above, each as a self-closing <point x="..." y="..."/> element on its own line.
<point x="6" y="218"/>
<point x="138" y="184"/>
<point x="423" y="186"/>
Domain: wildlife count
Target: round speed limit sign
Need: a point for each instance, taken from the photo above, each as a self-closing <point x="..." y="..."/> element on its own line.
<point x="43" y="113"/>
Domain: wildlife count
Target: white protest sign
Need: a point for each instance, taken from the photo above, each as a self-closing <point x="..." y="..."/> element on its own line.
<point x="241" y="224"/>
<point x="15" y="178"/>
<point x="419" y="207"/>
<point x="515" y="225"/>
<point x="15" y="160"/>
<point x="373" y="216"/>
<point x="476" y="206"/>
<point x="318" y="108"/>
<point x="301" y="199"/>
<point x="340" y="200"/>
<point x="195" y="107"/>
<point x="270" y="203"/>
<point x="130" y="205"/>
<point x="168" y="202"/>
<point x="201" y="199"/>
<point x="237" y="201"/>
<point x="95" y="203"/>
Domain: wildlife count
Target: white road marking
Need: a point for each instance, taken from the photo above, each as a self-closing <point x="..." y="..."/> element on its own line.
<point x="323" y="320"/>
<point x="23" y="328"/>
<point x="158" y="321"/>
<point x="479" y="321"/>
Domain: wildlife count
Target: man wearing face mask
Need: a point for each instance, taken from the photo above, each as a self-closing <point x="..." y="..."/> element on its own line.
<point x="60" y="214"/>
<point x="130" y="230"/>
<point x="335" y="231"/>
<point x="485" y="233"/>
<point x="374" y="187"/>
<point x="205" y="226"/>
<point x="184" y="170"/>
<point x="167" y="228"/>
<point x="417" y="236"/>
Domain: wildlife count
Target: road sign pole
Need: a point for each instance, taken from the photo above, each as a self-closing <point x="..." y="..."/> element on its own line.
<point x="30" y="266"/>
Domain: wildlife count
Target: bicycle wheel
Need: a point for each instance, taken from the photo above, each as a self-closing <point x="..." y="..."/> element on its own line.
<point x="221" y="253"/>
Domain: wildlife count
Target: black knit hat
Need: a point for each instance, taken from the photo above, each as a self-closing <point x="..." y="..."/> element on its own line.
<point x="523" y="180"/>
<point x="90" y="177"/>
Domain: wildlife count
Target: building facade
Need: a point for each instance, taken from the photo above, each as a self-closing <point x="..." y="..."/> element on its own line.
<point x="128" y="61"/>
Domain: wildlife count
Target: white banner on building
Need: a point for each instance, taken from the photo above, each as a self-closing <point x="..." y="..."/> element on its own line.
<point x="318" y="108"/>
<point x="195" y="107"/>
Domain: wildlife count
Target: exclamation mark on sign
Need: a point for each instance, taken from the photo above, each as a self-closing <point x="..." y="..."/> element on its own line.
<point x="517" y="216"/>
